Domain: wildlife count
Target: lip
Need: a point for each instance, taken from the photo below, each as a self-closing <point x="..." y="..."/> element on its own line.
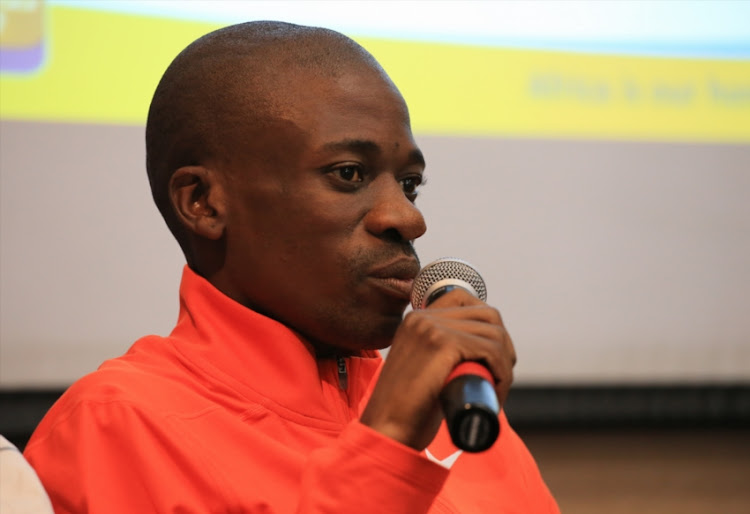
<point x="396" y="278"/>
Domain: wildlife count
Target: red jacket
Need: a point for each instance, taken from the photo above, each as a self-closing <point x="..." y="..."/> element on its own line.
<point x="233" y="413"/>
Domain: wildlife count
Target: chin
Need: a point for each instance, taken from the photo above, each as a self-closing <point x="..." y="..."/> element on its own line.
<point x="356" y="332"/>
<point x="382" y="336"/>
<point x="378" y="338"/>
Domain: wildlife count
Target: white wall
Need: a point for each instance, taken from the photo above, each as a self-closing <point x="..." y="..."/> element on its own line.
<point x="614" y="262"/>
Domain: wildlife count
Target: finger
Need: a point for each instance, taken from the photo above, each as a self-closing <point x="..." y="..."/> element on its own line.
<point x="497" y="355"/>
<point x="477" y="312"/>
<point x="438" y="328"/>
<point x="459" y="341"/>
<point x="475" y="325"/>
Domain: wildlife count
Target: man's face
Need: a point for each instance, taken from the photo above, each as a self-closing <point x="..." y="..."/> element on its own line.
<point x="321" y="213"/>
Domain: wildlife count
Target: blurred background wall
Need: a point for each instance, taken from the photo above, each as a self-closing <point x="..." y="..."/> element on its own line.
<point x="592" y="159"/>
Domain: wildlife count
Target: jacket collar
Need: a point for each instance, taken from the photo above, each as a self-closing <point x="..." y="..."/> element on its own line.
<point x="263" y="360"/>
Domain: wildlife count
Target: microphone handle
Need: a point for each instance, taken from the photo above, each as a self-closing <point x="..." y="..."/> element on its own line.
<point x="470" y="407"/>
<point x="469" y="401"/>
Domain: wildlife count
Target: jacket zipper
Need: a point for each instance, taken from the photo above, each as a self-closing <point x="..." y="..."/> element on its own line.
<point x="343" y="373"/>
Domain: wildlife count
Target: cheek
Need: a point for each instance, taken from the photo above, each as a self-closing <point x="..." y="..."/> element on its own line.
<point x="303" y="220"/>
<point x="328" y="216"/>
<point x="309" y="239"/>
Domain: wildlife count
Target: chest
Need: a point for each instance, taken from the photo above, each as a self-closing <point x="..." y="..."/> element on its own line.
<point x="258" y="461"/>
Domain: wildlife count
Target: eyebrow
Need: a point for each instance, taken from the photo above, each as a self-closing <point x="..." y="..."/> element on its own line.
<point x="369" y="148"/>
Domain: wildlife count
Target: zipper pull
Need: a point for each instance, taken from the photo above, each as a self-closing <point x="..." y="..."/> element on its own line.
<point x="343" y="375"/>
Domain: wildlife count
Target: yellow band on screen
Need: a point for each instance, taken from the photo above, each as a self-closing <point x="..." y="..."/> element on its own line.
<point x="100" y="67"/>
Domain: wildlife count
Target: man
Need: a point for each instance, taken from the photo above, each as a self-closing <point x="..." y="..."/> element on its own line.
<point x="282" y="160"/>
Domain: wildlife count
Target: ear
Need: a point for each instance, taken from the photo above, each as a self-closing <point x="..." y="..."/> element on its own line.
<point x="197" y="196"/>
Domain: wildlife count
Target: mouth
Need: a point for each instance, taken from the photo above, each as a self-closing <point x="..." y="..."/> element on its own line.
<point x="396" y="278"/>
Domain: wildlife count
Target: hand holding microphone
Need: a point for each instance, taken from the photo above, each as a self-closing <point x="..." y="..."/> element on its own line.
<point x="468" y="399"/>
<point x="424" y="378"/>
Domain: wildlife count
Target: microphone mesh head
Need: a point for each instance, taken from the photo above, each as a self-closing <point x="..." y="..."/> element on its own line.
<point x="446" y="268"/>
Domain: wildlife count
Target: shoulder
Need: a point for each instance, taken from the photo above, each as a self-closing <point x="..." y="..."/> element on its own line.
<point x="147" y="383"/>
<point x="137" y="377"/>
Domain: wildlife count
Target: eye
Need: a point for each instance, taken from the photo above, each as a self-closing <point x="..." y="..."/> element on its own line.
<point x="349" y="173"/>
<point x="410" y="185"/>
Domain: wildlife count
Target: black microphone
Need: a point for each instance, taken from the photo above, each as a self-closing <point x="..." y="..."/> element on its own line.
<point x="468" y="398"/>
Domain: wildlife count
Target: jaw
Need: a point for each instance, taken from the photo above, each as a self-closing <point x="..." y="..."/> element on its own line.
<point x="354" y="335"/>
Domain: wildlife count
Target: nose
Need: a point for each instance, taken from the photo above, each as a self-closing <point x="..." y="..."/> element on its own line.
<point x="392" y="211"/>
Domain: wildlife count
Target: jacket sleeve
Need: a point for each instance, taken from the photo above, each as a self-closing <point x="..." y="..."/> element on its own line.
<point x="110" y="457"/>
<point x="366" y="473"/>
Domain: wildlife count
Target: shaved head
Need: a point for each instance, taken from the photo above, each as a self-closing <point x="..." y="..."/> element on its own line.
<point x="226" y="87"/>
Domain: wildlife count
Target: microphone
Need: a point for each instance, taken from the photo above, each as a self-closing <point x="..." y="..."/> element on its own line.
<point x="468" y="398"/>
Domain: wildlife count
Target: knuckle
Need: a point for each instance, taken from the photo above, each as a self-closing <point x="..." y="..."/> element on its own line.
<point x="494" y="315"/>
<point x="424" y="328"/>
<point x="433" y="336"/>
<point x="504" y="382"/>
<point x="417" y="322"/>
<point x="411" y="318"/>
<point x="511" y="350"/>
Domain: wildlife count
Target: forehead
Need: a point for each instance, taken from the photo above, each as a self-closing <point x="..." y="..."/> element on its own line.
<point x="355" y="101"/>
<point x="290" y="114"/>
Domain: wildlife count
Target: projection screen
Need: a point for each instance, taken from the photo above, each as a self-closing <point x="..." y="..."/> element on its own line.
<point x="592" y="159"/>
